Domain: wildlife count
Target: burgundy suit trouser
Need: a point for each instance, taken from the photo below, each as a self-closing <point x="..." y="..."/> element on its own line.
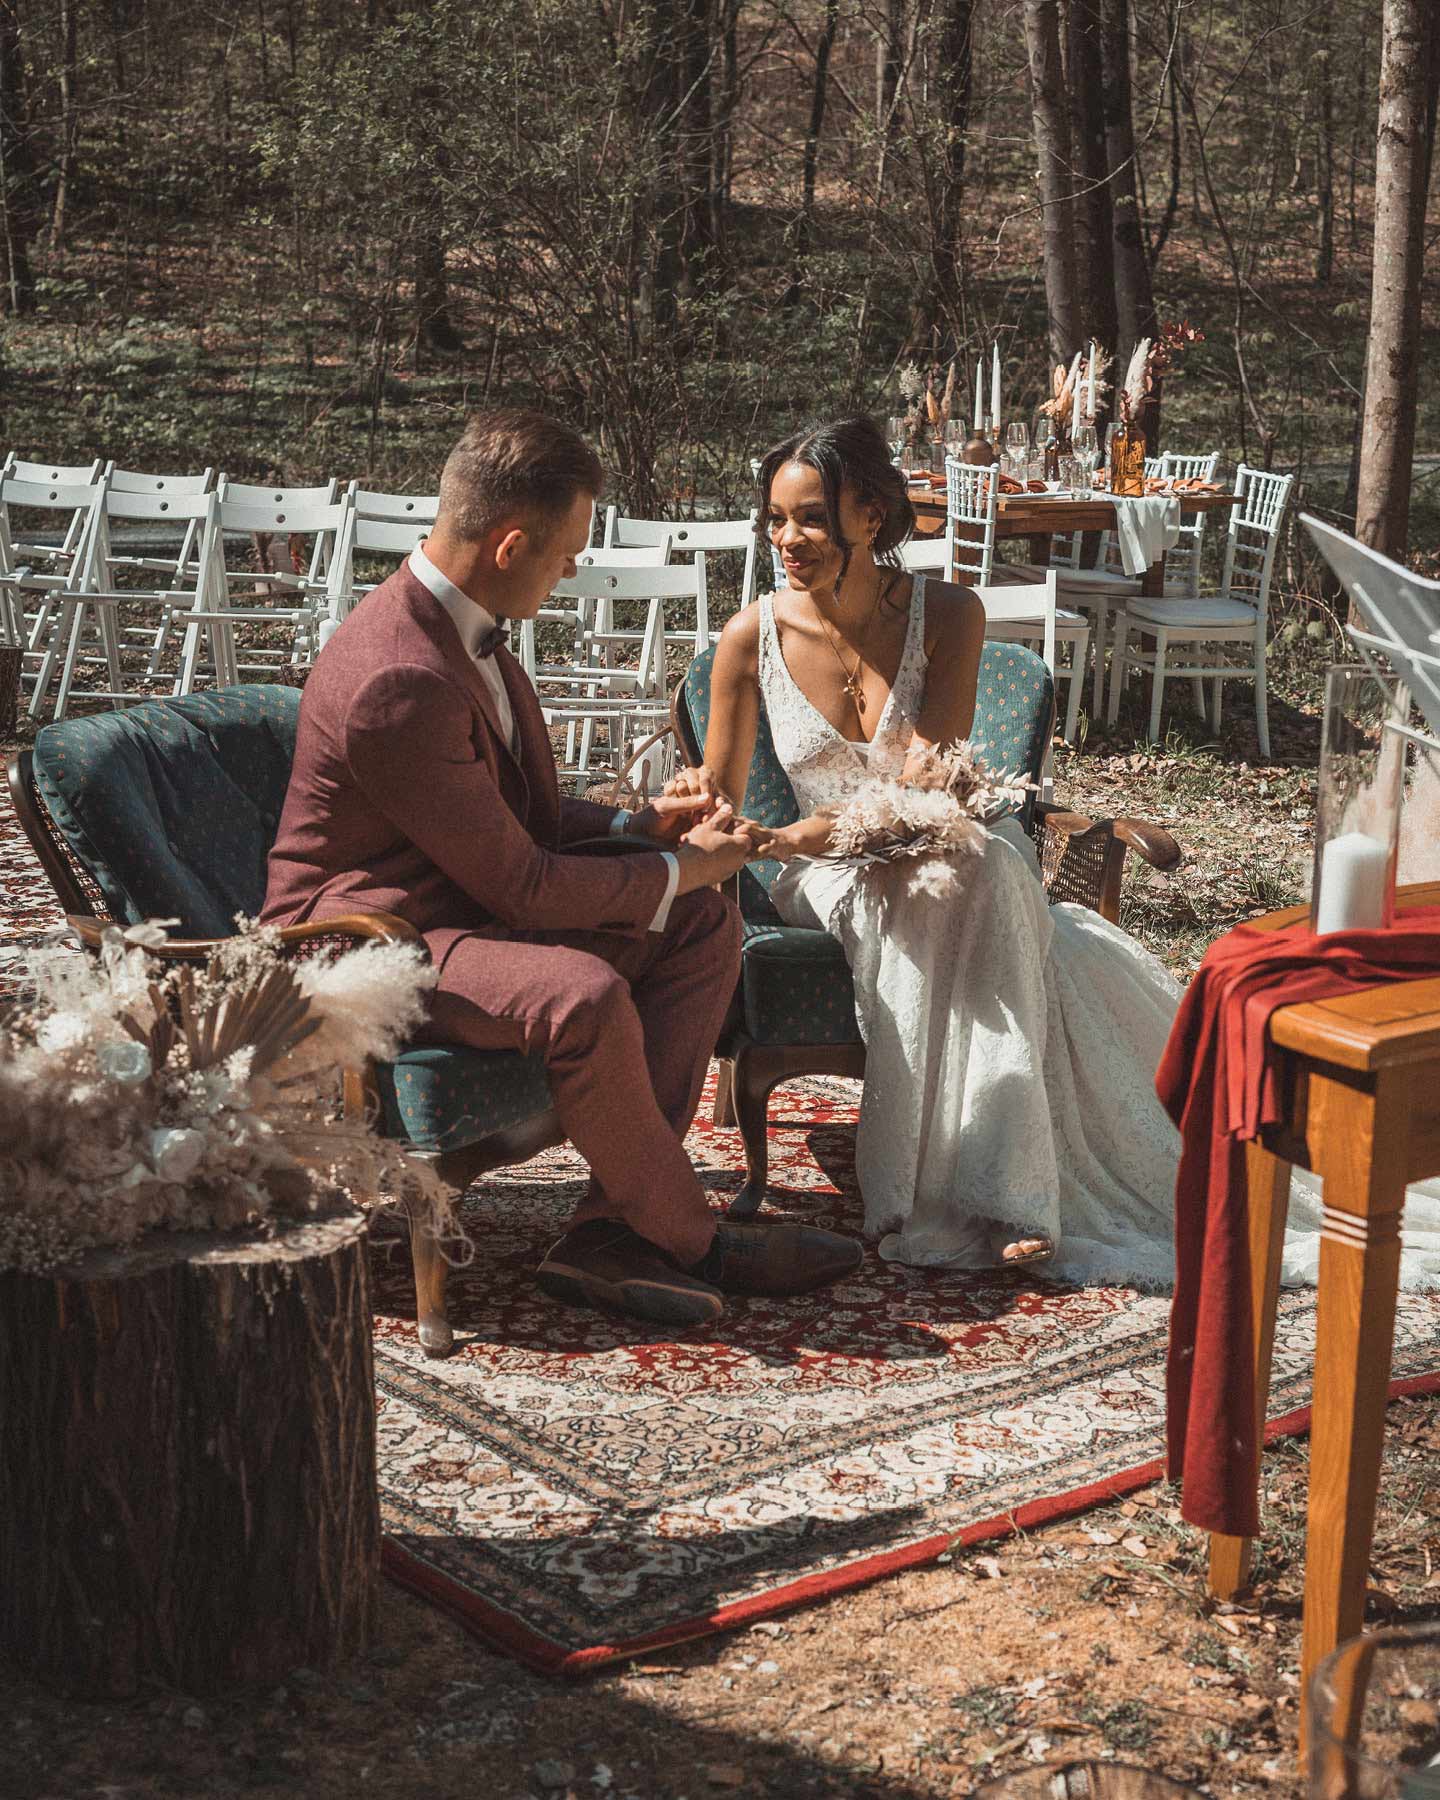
<point x="626" y="1026"/>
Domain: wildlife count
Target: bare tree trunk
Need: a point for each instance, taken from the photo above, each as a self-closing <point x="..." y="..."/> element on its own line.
<point x="1324" y="25"/>
<point x="889" y="50"/>
<point x="952" y="77"/>
<point x="693" y="142"/>
<point x="19" y="183"/>
<point x="1056" y="174"/>
<point x="1134" y="296"/>
<point x="1409" y="83"/>
<point x="69" y="10"/>
<point x="1087" y="112"/>
<point x="819" y="94"/>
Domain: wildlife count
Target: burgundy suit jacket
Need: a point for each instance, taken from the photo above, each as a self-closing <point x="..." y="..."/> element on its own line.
<point x="405" y="796"/>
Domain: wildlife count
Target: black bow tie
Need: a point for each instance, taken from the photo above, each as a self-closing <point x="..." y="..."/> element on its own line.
<point x="491" y="641"/>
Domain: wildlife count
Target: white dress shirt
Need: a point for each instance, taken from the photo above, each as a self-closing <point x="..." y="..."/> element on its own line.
<point x="472" y="622"/>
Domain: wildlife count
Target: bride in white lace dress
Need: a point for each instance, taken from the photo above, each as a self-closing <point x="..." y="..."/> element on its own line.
<point x="1008" y="1108"/>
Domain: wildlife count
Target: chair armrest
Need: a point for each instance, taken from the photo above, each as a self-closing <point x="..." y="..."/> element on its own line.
<point x="1151" y="841"/>
<point x="388" y="928"/>
<point x="1082" y="859"/>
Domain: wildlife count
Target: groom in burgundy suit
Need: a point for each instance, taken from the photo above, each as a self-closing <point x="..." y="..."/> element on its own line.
<point x="424" y="784"/>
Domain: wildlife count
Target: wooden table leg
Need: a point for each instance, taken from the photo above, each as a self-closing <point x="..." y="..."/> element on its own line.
<point x="1267" y="1201"/>
<point x="1040" y="549"/>
<point x="1361" y="1126"/>
<point x="1152" y="582"/>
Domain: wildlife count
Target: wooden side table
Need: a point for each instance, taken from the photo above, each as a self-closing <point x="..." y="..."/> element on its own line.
<point x="1362" y="1110"/>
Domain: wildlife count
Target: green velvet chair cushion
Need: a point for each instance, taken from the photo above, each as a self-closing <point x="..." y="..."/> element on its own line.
<point x="172" y="806"/>
<point x="795" y="985"/>
<point x="442" y="1098"/>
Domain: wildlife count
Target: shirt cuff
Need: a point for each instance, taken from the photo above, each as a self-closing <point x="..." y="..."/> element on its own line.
<point x="620" y="824"/>
<point x="672" y="881"/>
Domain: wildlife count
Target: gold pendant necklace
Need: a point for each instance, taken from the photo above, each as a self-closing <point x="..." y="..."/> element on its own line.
<point x="854" y="678"/>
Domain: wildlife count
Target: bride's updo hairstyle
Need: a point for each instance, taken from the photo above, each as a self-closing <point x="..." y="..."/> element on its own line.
<point x="849" y="453"/>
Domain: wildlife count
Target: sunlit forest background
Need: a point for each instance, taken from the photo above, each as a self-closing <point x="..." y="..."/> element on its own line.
<point x="298" y="238"/>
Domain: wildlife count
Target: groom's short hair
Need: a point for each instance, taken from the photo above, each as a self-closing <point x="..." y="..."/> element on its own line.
<point x="515" y="462"/>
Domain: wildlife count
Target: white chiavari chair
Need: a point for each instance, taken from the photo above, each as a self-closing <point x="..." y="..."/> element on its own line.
<point x="1237" y="615"/>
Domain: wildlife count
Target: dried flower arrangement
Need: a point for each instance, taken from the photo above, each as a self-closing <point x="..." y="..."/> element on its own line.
<point x="929" y="400"/>
<point x="136" y="1096"/>
<point x="935" y="817"/>
<point x="1153" y="359"/>
<point x="1063" y="382"/>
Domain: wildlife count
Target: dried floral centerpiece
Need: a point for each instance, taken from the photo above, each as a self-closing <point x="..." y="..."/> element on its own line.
<point x="930" y="402"/>
<point x="934" y="818"/>
<point x="137" y="1096"/>
<point x="1150" y="362"/>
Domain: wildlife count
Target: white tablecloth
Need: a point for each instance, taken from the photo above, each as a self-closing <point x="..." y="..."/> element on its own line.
<point x="1145" y="529"/>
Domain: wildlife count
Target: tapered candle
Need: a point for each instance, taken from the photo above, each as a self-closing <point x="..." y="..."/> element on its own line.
<point x="1352" y="884"/>
<point x="1090" y="397"/>
<point x="995" y="385"/>
<point x="1074" y="385"/>
<point x="979" y="421"/>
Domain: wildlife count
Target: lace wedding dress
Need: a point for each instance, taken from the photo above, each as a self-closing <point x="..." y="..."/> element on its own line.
<point x="1011" y="1045"/>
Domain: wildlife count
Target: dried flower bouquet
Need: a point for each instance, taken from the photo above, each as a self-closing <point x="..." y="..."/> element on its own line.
<point x="936" y="816"/>
<point x="136" y="1096"/>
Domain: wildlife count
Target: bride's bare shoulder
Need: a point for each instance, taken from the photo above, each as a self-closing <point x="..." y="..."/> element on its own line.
<point x="953" y="614"/>
<point x="740" y="640"/>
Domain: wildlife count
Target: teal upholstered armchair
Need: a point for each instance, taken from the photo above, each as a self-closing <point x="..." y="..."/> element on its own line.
<point x="796" y="1005"/>
<point x="167" y="810"/>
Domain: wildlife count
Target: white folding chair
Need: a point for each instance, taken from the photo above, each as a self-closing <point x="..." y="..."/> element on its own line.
<point x="299" y="513"/>
<point x="371" y="538"/>
<point x="288" y="500"/>
<point x="618" y="685"/>
<point x="179" y="573"/>
<point x="1235" y="615"/>
<point x="689" y="537"/>
<point x="46" y="633"/>
<point x="399" y="509"/>
<point x="57" y="556"/>
<point x="928" y="555"/>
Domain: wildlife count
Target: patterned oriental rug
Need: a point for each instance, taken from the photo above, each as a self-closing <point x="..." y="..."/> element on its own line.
<point x="578" y="1489"/>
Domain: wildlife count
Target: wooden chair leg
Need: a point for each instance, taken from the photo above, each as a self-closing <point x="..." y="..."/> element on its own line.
<point x="724" y="1113"/>
<point x="750" y="1097"/>
<point x="1267" y="1199"/>
<point x="1157" y="686"/>
<point x="432" y="1325"/>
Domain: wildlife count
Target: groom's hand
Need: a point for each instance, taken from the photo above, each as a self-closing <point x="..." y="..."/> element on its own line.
<point x="713" y="850"/>
<point x="688" y="797"/>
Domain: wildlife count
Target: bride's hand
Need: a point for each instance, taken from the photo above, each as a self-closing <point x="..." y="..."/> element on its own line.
<point x="806" y="837"/>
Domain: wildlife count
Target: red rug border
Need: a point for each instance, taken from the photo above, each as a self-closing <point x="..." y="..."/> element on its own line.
<point x="502" y="1630"/>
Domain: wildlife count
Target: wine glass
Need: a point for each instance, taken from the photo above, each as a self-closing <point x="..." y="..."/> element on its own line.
<point x="1017" y="439"/>
<point x="954" y="436"/>
<point x="1086" y="447"/>
<point x="897" y="431"/>
<point x="1373" y="1729"/>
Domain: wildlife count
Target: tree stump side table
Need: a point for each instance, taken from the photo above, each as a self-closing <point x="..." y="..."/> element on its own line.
<point x="187" y="1460"/>
<point x="1362" y="1110"/>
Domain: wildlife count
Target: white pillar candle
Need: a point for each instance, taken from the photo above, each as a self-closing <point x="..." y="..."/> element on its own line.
<point x="1352" y="884"/>
<point x="995" y="386"/>
<point x="979" y="421"/>
<point x="1090" y="397"/>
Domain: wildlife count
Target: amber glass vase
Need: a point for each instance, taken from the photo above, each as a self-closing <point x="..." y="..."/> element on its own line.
<point x="1127" y="460"/>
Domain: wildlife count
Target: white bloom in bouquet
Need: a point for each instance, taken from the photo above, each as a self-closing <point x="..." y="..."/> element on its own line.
<point x="126" y="1062"/>
<point x="935" y="818"/>
<point x="175" y="1154"/>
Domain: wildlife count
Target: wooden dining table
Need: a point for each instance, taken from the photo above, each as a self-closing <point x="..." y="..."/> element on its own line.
<point x="1039" y="517"/>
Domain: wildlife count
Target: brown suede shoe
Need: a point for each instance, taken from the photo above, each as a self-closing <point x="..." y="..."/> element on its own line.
<point x="777" y="1259"/>
<point x="605" y="1263"/>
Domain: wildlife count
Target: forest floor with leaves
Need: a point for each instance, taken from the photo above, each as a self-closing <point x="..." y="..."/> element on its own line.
<point x="1091" y="1637"/>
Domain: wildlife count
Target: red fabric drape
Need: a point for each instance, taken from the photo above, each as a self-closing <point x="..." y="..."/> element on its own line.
<point x="1218" y="1080"/>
